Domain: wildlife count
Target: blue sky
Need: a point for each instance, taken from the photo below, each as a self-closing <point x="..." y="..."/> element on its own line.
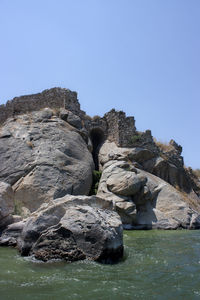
<point x="142" y="57"/>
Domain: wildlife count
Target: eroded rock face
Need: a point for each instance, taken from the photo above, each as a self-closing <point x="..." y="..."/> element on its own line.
<point x="43" y="157"/>
<point x="144" y="200"/>
<point x="70" y="228"/>
<point x="165" y="165"/>
<point x="6" y="204"/>
<point x="109" y="151"/>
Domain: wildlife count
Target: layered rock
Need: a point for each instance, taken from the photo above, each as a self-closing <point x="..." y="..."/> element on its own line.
<point x="167" y="165"/>
<point x="70" y="228"/>
<point x="43" y="158"/>
<point x="145" y="201"/>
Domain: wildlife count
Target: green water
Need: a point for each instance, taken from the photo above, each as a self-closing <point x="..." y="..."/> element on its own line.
<point x="157" y="265"/>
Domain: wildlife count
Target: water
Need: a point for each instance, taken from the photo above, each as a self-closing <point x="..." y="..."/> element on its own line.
<point x="157" y="265"/>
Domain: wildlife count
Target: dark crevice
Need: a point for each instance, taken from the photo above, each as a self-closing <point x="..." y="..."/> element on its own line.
<point x="97" y="138"/>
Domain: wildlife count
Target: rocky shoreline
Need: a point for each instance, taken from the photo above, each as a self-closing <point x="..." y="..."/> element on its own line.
<point x="47" y="159"/>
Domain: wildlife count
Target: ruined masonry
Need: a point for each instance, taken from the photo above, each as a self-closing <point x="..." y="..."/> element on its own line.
<point x="114" y="126"/>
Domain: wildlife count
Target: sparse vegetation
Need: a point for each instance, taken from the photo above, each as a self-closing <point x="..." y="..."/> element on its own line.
<point x="87" y="117"/>
<point x="96" y="176"/>
<point x="95" y="118"/>
<point x="17" y="208"/>
<point x="134" y="139"/>
<point x="56" y="111"/>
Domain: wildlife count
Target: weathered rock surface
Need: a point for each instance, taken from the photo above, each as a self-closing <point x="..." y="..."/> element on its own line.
<point x="144" y="200"/>
<point x="109" y="151"/>
<point x="70" y="228"/>
<point x="168" y="166"/>
<point x="6" y="204"/>
<point x="43" y="157"/>
<point x="162" y="160"/>
<point x="45" y="154"/>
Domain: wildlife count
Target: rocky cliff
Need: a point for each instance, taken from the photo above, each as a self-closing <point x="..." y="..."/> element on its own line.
<point x="49" y="148"/>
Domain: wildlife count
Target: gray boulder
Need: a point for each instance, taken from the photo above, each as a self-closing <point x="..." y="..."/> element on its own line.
<point x="125" y="183"/>
<point x="70" y="228"/>
<point x="43" y="157"/>
<point x="6" y="204"/>
<point x="146" y="201"/>
<point x="12" y="234"/>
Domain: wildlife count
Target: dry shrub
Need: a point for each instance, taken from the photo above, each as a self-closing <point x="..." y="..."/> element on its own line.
<point x="87" y="117"/>
<point x="96" y="117"/>
<point x="196" y="172"/>
<point x="164" y="146"/>
<point x="56" y="111"/>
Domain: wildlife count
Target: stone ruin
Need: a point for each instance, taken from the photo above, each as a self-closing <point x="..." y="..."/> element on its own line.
<point x="52" y="98"/>
<point x="114" y="125"/>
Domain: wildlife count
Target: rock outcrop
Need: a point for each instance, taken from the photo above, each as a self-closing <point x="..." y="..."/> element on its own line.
<point x="166" y="164"/>
<point x="49" y="148"/>
<point x="43" y="158"/>
<point x="70" y="228"/>
<point x="143" y="200"/>
<point x="162" y="160"/>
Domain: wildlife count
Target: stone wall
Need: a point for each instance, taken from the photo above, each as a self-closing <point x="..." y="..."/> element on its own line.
<point x="53" y="98"/>
<point x="115" y="126"/>
<point x="120" y="128"/>
<point x="96" y="123"/>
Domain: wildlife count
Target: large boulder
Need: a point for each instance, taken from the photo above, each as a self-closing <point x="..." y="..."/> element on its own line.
<point x="6" y="204"/>
<point x="146" y="201"/>
<point x="43" y="157"/>
<point x="70" y="228"/>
